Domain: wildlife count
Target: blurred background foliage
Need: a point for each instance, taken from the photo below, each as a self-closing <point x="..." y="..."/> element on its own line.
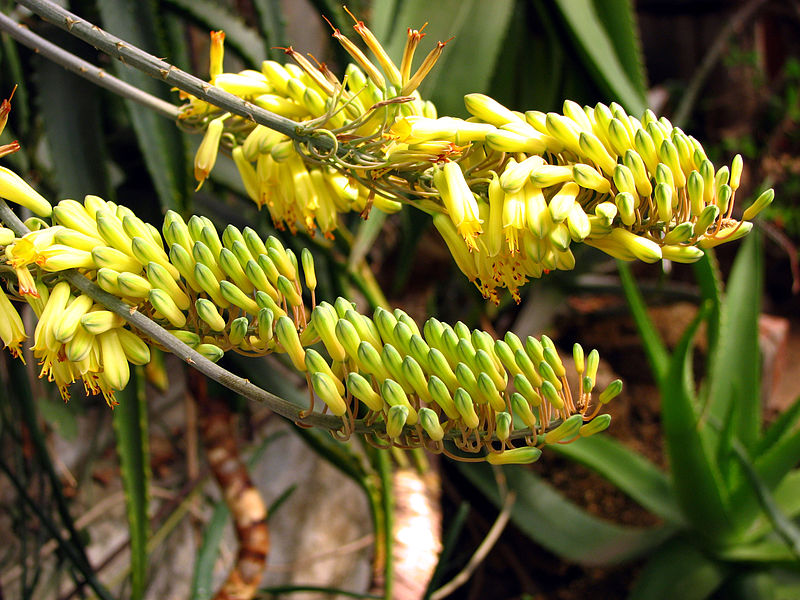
<point x="728" y="72"/>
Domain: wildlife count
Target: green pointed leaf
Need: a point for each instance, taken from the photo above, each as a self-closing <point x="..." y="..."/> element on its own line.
<point x="587" y="28"/>
<point x="678" y="570"/>
<point x="272" y="25"/>
<point x="630" y="472"/>
<point x="619" y="20"/>
<point x="469" y="60"/>
<point x="239" y="37"/>
<point x="654" y="347"/>
<point x="706" y="273"/>
<point x="783" y="426"/>
<point x="697" y="482"/>
<point x="133" y="449"/>
<point x="366" y="234"/>
<point x="787" y="497"/>
<point x="574" y="534"/>
<point x="735" y="376"/>
<point x="384" y="15"/>
<point x="70" y="108"/>
<point x="161" y="143"/>
<point x="202" y="578"/>
<point x="766" y="551"/>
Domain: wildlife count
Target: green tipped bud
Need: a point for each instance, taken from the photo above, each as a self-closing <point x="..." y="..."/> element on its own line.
<point x="549" y="374"/>
<point x="342" y="305"/>
<point x="111" y="230"/>
<point x="645" y="147"/>
<point x="663" y="195"/>
<point x="736" y="172"/>
<point x="209" y="284"/>
<point x="145" y="251"/>
<point x="210" y="351"/>
<point x="393" y="362"/>
<point x="237" y="297"/>
<point x="286" y="332"/>
<point x="513" y="341"/>
<point x="430" y="423"/>
<point x="433" y="330"/>
<point x="105" y="256"/>
<point x="69" y="320"/>
<point x="626" y="204"/>
<point x="564" y="130"/>
<point x="763" y="200"/>
<point x="521" y="408"/>
<point x="255" y="274"/>
<point x="577" y="356"/>
<point x="706" y="218"/>
<point x="364" y="327"/>
<point x="360" y="388"/>
<point x="623" y="179"/>
<point x="282" y="261"/>
<point x="100" y="321"/>
<point x="681" y="254"/>
<point x="596" y="425"/>
<point x="517" y="456"/>
<point x="612" y="391"/>
<point x="264" y="301"/>
<point x="727" y="233"/>
<point x="269" y="268"/>
<point x="606" y="211"/>
<point x="402" y="317"/>
<point x="289" y="291"/>
<point x="136" y="350"/>
<point x="721" y="178"/>
<point x="189" y="338"/>
<point x="165" y="306"/>
<point x="587" y="385"/>
<point x="160" y="278"/>
<point x="253" y="242"/>
<point x="724" y="194"/>
<point x="466" y="409"/>
<point x="595" y="151"/>
<point x="369" y="360"/>
<point x="526" y="367"/>
<point x="678" y="234"/>
<point x="325" y="387"/>
<point x="506" y="355"/>
<point x="402" y="334"/>
<point x="485" y="364"/>
<point x="441" y="395"/>
<point x="566" y="431"/>
<point x="208" y="312"/>
<point x="554" y="360"/>
<point x="238" y="330"/>
<point x="266" y="319"/>
<point x="634" y="162"/>
<point x="707" y="173"/>
<point x="396" y="419"/>
<point x="348" y="337"/>
<point x="324" y="319"/>
<point x="563" y="201"/>
<point x="440" y="366"/>
<point x="503" y="424"/>
<point x="233" y="269"/>
<point x="415" y="376"/>
<point x="419" y="349"/>
<point x="551" y="395"/>
<point x="587" y="177"/>
<point x="534" y="349"/>
<point x="640" y="247"/>
<point x="394" y="395"/>
<point x="107" y="280"/>
<point x="203" y="255"/>
<point x="133" y="286"/>
<point x="695" y="185"/>
<point x="310" y="274"/>
<point x="592" y="363"/>
<point x="385" y="322"/>
<point x="524" y="387"/>
<point x="232" y="234"/>
<point x="488" y="392"/>
<point x="466" y="353"/>
<point x="183" y="261"/>
<point x="548" y="175"/>
<point x="466" y="379"/>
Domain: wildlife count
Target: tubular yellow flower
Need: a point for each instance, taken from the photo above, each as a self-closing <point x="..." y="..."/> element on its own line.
<point x="12" y="331"/>
<point x="217" y="52"/>
<point x="459" y="201"/>
<point x="207" y="152"/>
<point x="15" y="189"/>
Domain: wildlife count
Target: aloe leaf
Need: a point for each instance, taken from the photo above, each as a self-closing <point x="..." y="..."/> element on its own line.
<point x="631" y="473"/>
<point x="368" y="231"/>
<point x="133" y="449"/>
<point x="698" y="485"/>
<point x="765" y="551"/>
<point x="783" y="426"/>
<point x="706" y="273"/>
<point x="469" y="60"/>
<point x="14" y="74"/>
<point x="384" y="16"/>
<point x="735" y="375"/>
<point x="562" y="527"/>
<point x="678" y="570"/>
<point x="71" y="111"/>
<point x="654" y="347"/>
<point x="787" y="497"/>
<point x="449" y="546"/>
<point x="161" y="143"/>
<point x="785" y="528"/>
<point x="619" y="20"/>
<point x="202" y="578"/>
<point x="239" y="37"/>
<point x="271" y="24"/>
<point x="584" y="23"/>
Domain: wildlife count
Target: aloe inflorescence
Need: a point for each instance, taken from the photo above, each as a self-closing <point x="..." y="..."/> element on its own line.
<point x="509" y="192"/>
<point x="239" y="292"/>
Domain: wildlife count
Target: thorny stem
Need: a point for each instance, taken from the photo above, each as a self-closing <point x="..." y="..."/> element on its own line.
<point x="85" y="69"/>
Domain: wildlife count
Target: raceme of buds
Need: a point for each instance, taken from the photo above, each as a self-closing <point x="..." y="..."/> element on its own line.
<point x="517" y="189"/>
<point x="419" y="386"/>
